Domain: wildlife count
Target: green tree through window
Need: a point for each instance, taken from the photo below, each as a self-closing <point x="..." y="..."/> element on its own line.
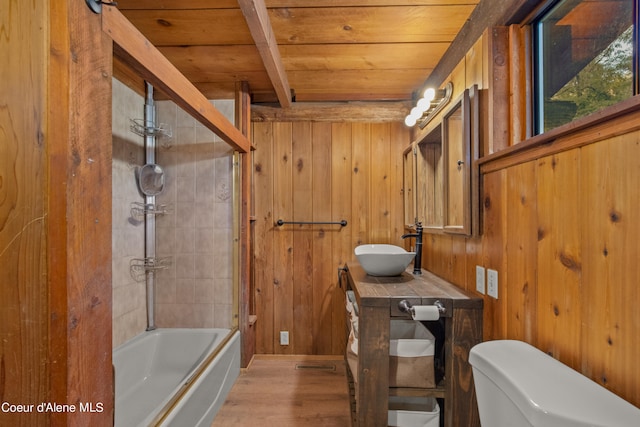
<point x="605" y="81"/>
<point x="584" y="59"/>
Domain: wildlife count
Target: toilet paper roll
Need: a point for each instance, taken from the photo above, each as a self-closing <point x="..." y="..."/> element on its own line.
<point x="425" y="312"/>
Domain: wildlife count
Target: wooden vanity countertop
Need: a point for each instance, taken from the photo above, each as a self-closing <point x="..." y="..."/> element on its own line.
<point x="424" y="289"/>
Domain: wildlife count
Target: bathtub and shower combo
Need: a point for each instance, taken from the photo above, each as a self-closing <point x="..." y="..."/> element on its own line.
<point x="170" y="376"/>
<point x="175" y="377"/>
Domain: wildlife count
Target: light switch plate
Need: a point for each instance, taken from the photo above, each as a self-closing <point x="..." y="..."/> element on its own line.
<point x="480" y="279"/>
<point x="492" y="283"/>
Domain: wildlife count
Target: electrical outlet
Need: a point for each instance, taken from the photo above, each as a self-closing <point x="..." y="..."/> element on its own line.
<point x="492" y="283"/>
<point x="284" y="337"/>
<point x="480" y="279"/>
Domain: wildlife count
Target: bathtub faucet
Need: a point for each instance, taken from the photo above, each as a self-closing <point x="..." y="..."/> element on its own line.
<point x="418" y="259"/>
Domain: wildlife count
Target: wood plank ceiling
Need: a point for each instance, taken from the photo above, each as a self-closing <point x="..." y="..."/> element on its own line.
<point x="316" y="50"/>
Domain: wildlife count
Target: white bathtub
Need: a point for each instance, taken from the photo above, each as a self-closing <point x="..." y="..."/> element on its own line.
<point x="174" y="377"/>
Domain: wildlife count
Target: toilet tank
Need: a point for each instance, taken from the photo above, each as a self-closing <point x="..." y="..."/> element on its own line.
<point x="519" y="385"/>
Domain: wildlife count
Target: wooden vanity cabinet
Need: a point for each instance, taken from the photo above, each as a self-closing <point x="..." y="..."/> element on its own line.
<point x="377" y="299"/>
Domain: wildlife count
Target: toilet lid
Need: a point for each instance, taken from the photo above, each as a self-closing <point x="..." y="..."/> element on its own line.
<point x="548" y="392"/>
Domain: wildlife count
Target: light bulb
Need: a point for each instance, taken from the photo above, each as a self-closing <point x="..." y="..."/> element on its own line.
<point x="423" y="104"/>
<point x="410" y="121"/>
<point x="430" y="94"/>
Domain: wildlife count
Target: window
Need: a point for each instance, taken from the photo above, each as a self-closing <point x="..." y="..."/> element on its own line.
<point x="584" y="61"/>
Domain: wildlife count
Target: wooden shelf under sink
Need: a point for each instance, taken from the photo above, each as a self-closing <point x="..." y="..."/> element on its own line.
<point x="437" y="392"/>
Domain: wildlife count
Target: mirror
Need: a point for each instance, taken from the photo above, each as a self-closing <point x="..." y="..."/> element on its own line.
<point x="430" y="169"/>
<point x="409" y="183"/>
<point x="456" y="161"/>
<point x="151" y="179"/>
<point x="445" y="190"/>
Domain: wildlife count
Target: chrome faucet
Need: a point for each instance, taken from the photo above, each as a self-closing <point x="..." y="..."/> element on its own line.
<point x="418" y="259"/>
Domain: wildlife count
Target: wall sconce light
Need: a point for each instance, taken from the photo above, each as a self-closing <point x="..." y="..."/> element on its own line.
<point x="429" y="105"/>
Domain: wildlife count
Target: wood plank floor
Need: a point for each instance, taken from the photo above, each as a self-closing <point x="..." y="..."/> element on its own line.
<point x="289" y="391"/>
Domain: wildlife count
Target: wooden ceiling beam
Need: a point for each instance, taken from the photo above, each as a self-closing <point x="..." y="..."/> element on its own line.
<point x="255" y="12"/>
<point x="136" y="51"/>
<point x="333" y="112"/>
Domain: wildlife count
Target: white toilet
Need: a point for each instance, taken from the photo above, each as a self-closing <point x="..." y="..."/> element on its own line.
<point x="519" y="385"/>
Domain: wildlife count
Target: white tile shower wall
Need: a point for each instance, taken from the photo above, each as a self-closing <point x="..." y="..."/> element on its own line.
<point x="129" y="303"/>
<point x="197" y="290"/>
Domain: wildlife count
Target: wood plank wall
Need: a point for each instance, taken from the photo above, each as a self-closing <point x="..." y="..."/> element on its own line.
<point x="560" y="225"/>
<point x="562" y="231"/>
<point x="318" y="171"/>
<point x="23" y="209"/>
<point x="55" y="214"/>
